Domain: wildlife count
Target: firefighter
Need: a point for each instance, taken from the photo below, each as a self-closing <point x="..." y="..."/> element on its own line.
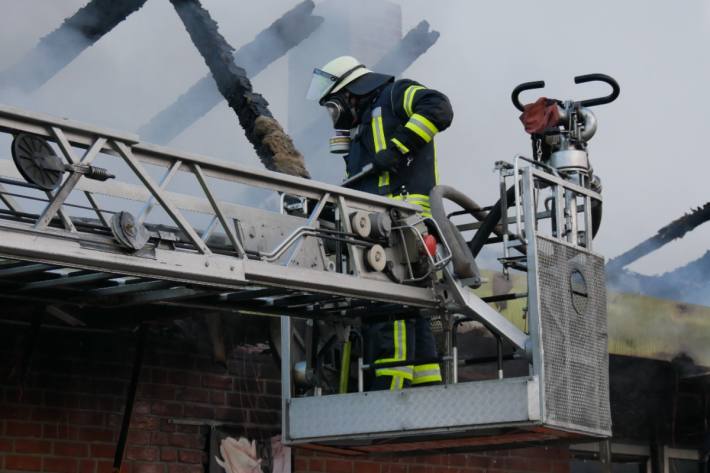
<point x="391" y="125"/>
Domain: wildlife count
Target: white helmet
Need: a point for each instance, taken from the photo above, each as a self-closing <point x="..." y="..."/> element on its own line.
<point x="339" y="73"/>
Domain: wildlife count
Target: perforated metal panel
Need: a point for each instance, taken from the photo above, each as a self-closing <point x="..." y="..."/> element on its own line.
<point x="432" y="409"/>
<point x="574" y="337"/>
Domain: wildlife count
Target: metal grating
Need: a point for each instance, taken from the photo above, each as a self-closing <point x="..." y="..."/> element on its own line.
<point x="426" y="409"/>
<point x="574" y="337"/>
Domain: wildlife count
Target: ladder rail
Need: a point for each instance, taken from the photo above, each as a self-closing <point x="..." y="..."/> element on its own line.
<point x="13" y="120"/>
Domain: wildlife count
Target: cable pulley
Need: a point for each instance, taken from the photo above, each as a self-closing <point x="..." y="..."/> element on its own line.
<point x="129" y="233"/>
<point x="39" y="165"/>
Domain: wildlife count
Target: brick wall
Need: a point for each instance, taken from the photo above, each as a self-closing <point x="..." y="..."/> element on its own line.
<point x="66" y="417"/>
<point x="538" y="460"/>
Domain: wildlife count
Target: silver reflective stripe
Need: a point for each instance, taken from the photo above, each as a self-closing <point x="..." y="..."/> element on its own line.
<point x="422" y="126"/>
<point x="406" y="371"/>
<point x="378" y="133"/>
<point x="421" y="374"/>
<point x="399" y="330"/>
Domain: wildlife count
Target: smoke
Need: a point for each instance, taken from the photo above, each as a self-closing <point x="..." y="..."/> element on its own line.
<point x="650" y="175"/>
<point x="689" y="283"/>
<point x="414" y="44"/>
<point x="203" y="96"/>
<point x="273" y="146"/>
<point x="56" y="50"/>
<point x="674" y="230"/>
<point x="371" y="31"/>
<point x="130" y="73"/>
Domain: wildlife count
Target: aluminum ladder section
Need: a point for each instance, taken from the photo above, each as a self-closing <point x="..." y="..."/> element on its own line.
<point x="205" y="251"/>
<point x="215" y="251"/>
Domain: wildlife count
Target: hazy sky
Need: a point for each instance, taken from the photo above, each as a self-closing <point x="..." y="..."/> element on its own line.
<point x="650" y="148"/>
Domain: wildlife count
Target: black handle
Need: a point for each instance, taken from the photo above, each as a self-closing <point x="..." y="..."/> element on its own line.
<point x="538" y="84"/>
<point x="598" y="78"/>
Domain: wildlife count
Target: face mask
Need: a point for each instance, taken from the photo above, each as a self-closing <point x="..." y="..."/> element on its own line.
<point x="340" y="112"/>
<point x="343" y="120"/>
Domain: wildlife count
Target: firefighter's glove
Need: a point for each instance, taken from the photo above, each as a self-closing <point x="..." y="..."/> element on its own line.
<point x="387" y="159"/>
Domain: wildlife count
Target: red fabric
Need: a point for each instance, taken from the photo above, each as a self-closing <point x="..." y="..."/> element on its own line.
<point x="540" y="115"/>
<point x="430" y="243"/>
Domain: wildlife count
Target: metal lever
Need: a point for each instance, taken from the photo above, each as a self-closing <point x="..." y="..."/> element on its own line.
<point x="366" y="171"/>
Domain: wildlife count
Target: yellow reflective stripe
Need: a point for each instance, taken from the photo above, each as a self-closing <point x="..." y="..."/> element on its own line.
<point x="400" y="354"/>
<point x="422" y="369"/>
<point x="400" y="146"/>
<point x="425" y="207"/>
<point x="381" y="131"/>
<point x="417" y="196"/>
<point x="436" y="168"/>
<point x="378" y="134"/>
<point x="400" y="343"/>
<point x="378" y="130"/>
<point x="412" y="197"/>
<point x="426" y="122"/>
<point x="421" y="200"/>
<point x="424" y="202"/>
<point x="418" y="128"/>
<point x="428" y="373"/>
<point x="403" y="341"/>
<point x="409" y="98"/>
<point x="417" y="199"/>
<point x="384" y="179"/>
<point x="374" y="135"/>
<point x="397" y="383"/>
<point x="420" y="132"/>
<point x="407" y="372"/>
<point x="427" y="379"/>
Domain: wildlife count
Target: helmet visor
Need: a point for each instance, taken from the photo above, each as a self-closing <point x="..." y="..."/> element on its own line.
<point x="321" y="83"/>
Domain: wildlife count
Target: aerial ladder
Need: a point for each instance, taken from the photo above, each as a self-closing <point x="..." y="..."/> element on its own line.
<point x="95" y="220"/>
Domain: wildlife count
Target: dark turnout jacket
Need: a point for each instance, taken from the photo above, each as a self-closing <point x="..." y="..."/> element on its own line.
<point x="405" y="115"/>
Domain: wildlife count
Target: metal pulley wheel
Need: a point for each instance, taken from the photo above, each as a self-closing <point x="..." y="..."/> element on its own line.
<point x="381" y="224"/>
<point x="128" y="232"/>
<point x="361" y="224"/>
<point x="36" y="161"/>
<point x="376" y="258"/>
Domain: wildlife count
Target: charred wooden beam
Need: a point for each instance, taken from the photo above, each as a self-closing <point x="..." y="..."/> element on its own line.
<point x="268" y="46"/>
<point x="414" y="44"/>
<point x="272" y="144"/>
<point x="674" y="230"/>
<point x="130" y="397"/>
<point x="56" y="50"/>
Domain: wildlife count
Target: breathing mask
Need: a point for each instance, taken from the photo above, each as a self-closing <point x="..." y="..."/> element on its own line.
<point x="343" y="117"/>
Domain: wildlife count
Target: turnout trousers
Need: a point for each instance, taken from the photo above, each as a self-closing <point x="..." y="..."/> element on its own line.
<point x="401" y="341"/>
